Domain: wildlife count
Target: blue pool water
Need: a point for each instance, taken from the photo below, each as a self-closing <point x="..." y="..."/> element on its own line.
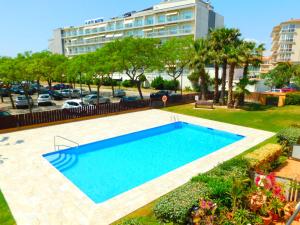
<point x="110" y="167"/>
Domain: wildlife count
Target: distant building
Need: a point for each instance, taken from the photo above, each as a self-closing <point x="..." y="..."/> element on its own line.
<point x="267" y="65"/>
<point x="170" y="18"/>
<point x="286" y="42"/>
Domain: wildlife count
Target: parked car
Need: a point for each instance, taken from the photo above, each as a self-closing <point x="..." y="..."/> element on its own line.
<point x="55" y="95"/>
<point x="72" y="104"/>
<point x="288" y="89"/>
<point x="119" y="93"/>
<point x="92" y="100"/>
<point x="37" y="86"/>
<point x="43" y="91"/>
<point x="61" y="86"/>
<point x="4" y="92"/>
<point x="4" y="113"/>
<point x="84" y="93"/>
<point x="16" y="89"/>
<point x="30" y="91"/>
<point x="130" y="99"/>
<point x="75" y="93"/>
<point x="44" y="99"/>
<point x="21" y="102"/>
<point x="160" y="94"/>
<point x="67" y="93"/>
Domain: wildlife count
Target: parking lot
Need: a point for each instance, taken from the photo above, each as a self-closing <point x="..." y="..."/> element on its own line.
<point x="57" y="104"/>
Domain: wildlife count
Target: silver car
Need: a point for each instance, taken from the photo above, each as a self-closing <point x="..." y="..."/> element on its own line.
<point x="119" y="93"/>
<point x="21" y="102"/>
<point x="92" y="100"/>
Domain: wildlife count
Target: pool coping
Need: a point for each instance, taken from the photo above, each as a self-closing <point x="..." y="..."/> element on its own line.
<point x="74" y="207"/>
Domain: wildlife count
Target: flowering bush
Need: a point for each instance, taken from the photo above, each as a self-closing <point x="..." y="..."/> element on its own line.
<point x="204" y="213"/>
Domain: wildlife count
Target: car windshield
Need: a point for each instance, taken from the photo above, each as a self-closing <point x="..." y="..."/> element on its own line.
<point x="21" y="98"/>
<point x="4" y="114"/>
<point x="44" y="96"/>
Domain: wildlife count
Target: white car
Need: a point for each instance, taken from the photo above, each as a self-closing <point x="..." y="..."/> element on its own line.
<point x="44" y="99"/>
<point x="21" y="102"/>
<point x="72" y="104"/>
<point x="92" y="100"/>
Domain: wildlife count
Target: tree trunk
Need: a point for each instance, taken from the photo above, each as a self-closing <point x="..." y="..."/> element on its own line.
<point x="98" y="93"/>
<point x="28" y="101"/>
<point x="203" y="84"/>
<point x="89" y="86"/>
<point x="2" y="99"/>
<point x="38" y="89"/>
<point x="49" y="84"/>
<point x="230" y="102"/>
<point x="11" y="99"/>
<point x="224" y="73"/>
<point x="245" y="75"/>
<point x="140" y="89"/>
<point x="112" y="89"/>
<point x="216" y="92"/>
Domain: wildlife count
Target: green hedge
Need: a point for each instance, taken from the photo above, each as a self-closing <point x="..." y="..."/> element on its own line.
<point x="176" y="205"/>
<point x="263" y="158"/>
<point x="293" y="99"/>
<point x="128" y="83"/>
<point x="288" y="137"/>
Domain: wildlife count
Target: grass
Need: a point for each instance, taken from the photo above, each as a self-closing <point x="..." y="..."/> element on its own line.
<point x="255" y="116"/>
<point x="6" y="217"/>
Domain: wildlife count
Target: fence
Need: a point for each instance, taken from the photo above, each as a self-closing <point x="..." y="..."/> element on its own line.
<point x="35" y="118"/>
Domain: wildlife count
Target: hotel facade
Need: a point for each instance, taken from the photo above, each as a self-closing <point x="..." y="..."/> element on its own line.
<point x="170" y="18"/>
<point x="286" y="42"/>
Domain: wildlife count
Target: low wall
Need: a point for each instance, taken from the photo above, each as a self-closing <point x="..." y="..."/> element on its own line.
<point x="261" y="97"/>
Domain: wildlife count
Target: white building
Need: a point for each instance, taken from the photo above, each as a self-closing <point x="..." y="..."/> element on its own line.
<point x="170" y="18"/>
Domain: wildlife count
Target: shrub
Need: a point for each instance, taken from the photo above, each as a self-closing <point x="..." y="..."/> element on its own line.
<point x="158" y="83"/>
<point x="176" y="205"/>
<point x="292" y="99"/>
<point x="107" y="81"/>
<point x="172" y="85"/>
<point x="139" y="221"/>
<point x="262" y="158"/>
<point x="288" y="137"/>
<point x="128" y="83"/>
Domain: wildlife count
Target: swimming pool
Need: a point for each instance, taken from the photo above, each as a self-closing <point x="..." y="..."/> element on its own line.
<point x="105" y="169"/>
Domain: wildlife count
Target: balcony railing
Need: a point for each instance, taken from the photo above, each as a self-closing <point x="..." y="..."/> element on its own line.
<point x="102" y="40"/>
<point x="134" y="25"/>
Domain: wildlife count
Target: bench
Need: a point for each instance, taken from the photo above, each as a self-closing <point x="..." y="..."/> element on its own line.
<point x="204" y="104"/>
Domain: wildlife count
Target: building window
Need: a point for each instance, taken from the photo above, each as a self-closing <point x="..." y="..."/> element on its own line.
<point x="119" y="25"/>
<point x="188" y="14"/>
<point x="149" y="20"/>
<point x="287" y="37"/>
<point x="289" y="28"/>
<point x="161" y="19"/>
<point x="138" y="22"/>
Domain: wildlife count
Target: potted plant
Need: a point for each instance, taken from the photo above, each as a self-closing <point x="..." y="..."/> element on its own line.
<point x="265" y="215"/>
<point x="257" y="200"/>
<point x="276" y="208"/>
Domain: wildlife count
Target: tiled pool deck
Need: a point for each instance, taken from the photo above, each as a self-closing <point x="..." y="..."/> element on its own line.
<point x="39" y="194"/>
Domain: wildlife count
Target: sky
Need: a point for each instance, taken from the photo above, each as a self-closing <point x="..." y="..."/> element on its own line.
<point x="27" y="25"/>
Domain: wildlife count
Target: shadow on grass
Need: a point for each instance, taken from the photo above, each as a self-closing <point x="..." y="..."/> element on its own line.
<point x="257" y="107"/>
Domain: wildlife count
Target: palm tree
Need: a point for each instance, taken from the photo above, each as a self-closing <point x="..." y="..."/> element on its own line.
<point x="241" y="90"/>
<point x="234" y="54"/>
<point x="198" y="62"/>
<point x="221" y="39"/>
<point x="251" y="54"/>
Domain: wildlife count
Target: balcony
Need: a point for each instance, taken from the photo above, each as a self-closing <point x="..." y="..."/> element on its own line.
<point x="134" y="25"/>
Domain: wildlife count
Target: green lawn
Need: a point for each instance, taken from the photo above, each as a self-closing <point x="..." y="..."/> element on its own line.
<point x="5" y="215"/>
<point x="255" y="116"/>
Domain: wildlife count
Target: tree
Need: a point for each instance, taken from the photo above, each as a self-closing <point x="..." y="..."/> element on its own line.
<point x="136" y="56"/>
<point x="175" y="55"/>
<point x="251" y="55"/>
<point x="8" y="75"/>
<point x="222" y="38"/>
<point x="198" y="62"/>
<point x="282" y="75"/>
<point x="109" y="59"/>
<point x="241" y="90"/>
<point x="234" y="53"/>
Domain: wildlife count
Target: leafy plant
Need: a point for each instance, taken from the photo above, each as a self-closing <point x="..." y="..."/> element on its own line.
<point x="292" y="99"/>
<point x="158" y="83"/>
<point x="288" y="137"/>
<point x="176" y="205"/>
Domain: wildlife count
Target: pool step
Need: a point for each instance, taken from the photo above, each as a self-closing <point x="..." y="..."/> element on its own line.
<point x="63" y="161"/>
